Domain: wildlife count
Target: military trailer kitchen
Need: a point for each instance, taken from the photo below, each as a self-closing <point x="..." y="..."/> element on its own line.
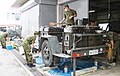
<point x="64" y="37"/>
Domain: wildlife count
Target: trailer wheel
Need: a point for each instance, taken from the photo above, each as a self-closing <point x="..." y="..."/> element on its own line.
<point x="47" y="54"/>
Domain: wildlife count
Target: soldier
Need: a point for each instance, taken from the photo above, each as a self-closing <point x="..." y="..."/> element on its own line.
<point x="115" y="43"/>
<point x="93" y="23"/>
<point x="69" y="15"/>
<point x="3" y="38"/>
<point x="28" y="45"/>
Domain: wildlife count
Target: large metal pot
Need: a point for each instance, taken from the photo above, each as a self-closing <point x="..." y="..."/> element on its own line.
<point x="78" y="22"/>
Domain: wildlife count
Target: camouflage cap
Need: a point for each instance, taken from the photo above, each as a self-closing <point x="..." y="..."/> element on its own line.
<point x="37" y="33"/>
<point x="66" y="6"/>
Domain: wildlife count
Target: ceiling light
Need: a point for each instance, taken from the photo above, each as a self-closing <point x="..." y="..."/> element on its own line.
<point x="91" y="11"/>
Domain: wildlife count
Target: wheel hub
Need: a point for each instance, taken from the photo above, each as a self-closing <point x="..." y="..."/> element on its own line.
<point x="46" y="53"/>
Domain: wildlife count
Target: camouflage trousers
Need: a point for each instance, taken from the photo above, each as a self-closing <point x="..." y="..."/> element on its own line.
<point x="3" y="43"/>
<point x="28" y="55"/>
<point x="116" y="48"/>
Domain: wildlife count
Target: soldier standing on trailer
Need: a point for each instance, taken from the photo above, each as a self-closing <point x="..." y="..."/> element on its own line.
<point x="69" y="15"/>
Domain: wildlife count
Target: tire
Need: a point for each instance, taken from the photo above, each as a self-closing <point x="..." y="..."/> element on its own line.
<point x="47" y="54"/>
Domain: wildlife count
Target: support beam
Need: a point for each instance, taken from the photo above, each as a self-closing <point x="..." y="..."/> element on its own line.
<point x="19" y="3"/>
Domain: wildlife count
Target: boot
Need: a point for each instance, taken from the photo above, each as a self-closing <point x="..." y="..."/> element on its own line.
<point x="30" y="65"/>
<point x="3" y="47"/>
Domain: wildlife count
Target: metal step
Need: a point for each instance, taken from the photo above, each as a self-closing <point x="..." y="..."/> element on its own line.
<point x="62" y="55"/>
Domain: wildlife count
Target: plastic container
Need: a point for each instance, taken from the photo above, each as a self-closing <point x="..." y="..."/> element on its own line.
<point x="39" y="60"/>
<point x="96" y="63"/>
<point x="66" y="69"/>
<point x="9" y="47"/>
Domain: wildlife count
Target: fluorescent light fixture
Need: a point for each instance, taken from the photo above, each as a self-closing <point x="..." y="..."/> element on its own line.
<point x="91" y="11"/>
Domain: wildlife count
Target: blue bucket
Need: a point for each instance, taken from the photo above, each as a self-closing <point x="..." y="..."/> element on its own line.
<point x="9" y="47"/>
<point x="39" y="60"/>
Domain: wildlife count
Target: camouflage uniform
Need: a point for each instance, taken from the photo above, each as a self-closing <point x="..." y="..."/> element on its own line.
<point x="3" y="39"/>
<point x="67" y="14"/>
<point x="27" y="49"/>
<point x="116" y="40"/>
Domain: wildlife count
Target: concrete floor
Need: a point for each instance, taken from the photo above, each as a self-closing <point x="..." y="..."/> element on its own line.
<point x="9" y="66"/>
<point x="114" y="71"/>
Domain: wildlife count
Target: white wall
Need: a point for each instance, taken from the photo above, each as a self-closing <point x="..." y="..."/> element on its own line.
<point x="51" y="2"/>
<point x="34" y="16"/>
<point x="29" y="21"/>
<point x="81" y="6"/>
<point x="24" y="24"/>
<point x="47" y="14"/>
